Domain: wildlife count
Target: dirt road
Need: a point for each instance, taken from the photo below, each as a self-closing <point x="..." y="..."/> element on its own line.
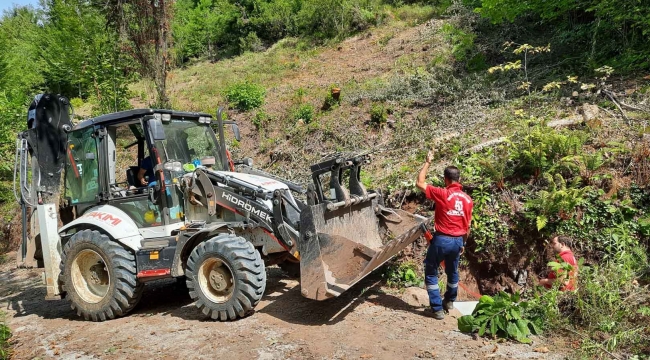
<point x="370" y="324"/>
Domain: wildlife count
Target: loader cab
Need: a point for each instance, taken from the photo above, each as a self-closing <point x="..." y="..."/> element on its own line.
<point x="105" y="155"/>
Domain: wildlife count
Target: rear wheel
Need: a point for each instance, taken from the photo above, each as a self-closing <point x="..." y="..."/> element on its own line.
<point x="226" y="277"/>
<point x="99" y="276"/>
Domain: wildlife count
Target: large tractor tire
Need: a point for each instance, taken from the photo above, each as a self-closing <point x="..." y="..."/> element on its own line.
<point x="99" y="276"/>
<point x="226" y="277"/>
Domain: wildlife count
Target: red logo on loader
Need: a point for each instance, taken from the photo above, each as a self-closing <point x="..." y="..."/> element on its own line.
<point x="105" y="217"/>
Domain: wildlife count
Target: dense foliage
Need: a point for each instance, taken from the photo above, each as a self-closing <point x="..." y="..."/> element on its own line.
<point x="588" y="32"/>
<point x="63" y="47"/>
<point x="214" y="28"/>
<point x="543" y="181"/>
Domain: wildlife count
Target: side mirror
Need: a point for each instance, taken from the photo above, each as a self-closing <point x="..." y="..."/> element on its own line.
<point x="235" y="129"/>
<point x="156" y="128"/>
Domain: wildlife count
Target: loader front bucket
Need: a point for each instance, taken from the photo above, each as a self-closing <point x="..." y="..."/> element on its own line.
<point x="339" y="247"/>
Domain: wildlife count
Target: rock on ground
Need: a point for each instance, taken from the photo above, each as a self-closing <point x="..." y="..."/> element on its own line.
<point x="416" y="297"/>
<point x="589" y="112"/>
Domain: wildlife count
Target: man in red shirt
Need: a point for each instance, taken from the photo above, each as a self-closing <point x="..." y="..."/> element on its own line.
<point x="453" y="215"/>
<point x="561" y="245"/>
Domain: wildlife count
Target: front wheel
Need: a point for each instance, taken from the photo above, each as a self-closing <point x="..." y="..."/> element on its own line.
<point x="99" y="276"/>
<point x="226" y="277"/>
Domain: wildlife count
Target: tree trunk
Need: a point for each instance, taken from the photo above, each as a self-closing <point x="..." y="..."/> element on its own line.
<point x="162" y="54"/>
<point x="146" y="24"/>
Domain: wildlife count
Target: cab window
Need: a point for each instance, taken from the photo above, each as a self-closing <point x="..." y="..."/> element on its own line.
<point x="82" y="169"/>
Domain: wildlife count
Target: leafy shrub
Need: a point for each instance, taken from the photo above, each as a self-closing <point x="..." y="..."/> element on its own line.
<point x="304" y="112"/>
<point x="378" y="115"/>
<point x="462" y="41"/>
<point x="76" y="102"/>
<point x="558" y="201"/>
<point x="201" y="28"/>
<point x="488" y="228"/>
<point x="329" y="102"/>
<point x="260" y="119"/>
<point x="299" y="96"/>
<point x="539" y="148"/>
<point x="607" y="228"/>
<point x="502" y="316"/>
<point x="5" y="334"/>
<point x="415" y="14"/>
<point x="492" y="164"/>
<point x="403" y="274"/>
<point x="245" y="95"/>
<point x="12" y="120"/>
<point x="251" y="43"/>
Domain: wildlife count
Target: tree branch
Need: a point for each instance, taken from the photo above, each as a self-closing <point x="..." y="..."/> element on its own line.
<point x="618" y="106"/>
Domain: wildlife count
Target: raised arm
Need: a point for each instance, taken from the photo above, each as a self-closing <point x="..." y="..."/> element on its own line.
<point x="422" y="176"/>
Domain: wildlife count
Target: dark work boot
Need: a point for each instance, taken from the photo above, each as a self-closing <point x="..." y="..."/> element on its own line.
<point x="447" y="305"/>
<point x="438" y="315"/>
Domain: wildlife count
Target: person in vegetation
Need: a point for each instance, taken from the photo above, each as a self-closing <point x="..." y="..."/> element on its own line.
<point x="453" y="214"/>
<point x="561" y="246"/>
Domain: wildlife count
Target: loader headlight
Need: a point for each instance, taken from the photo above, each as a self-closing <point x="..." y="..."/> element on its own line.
<point x="166" y="117"/>
<point x="204" y="120"/>
<point x="175" y="166"/>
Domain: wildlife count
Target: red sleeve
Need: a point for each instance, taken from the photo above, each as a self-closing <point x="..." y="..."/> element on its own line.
<point x="434" y="193"/>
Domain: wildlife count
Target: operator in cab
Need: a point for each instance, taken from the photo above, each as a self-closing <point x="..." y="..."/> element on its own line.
<point x="145" y="173"/>
<point x="453" y="215"/>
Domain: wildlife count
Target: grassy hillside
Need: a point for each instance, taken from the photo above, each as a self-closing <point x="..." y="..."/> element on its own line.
<point x="416" y="83"/>
<point x="401" y="67"/>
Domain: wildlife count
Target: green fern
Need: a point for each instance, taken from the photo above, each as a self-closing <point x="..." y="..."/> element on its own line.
<point x="558" y="200"/>
<point x="543" y="149"/>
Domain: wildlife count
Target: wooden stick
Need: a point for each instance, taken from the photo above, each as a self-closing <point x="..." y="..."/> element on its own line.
<point x="618" y="106"/>
<point x="633" y="108"/>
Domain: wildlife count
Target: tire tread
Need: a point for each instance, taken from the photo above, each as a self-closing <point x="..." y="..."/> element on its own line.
<point x="127" y="291"/>
<point x="249" y="273"/>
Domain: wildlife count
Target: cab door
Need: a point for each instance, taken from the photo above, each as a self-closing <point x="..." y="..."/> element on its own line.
<point x="82" y="173"/>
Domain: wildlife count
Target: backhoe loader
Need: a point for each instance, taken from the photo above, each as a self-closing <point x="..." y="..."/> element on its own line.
<point x="101" y="229"/>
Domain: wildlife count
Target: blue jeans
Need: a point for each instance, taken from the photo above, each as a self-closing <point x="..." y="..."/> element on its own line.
<point x="445" y="248"/>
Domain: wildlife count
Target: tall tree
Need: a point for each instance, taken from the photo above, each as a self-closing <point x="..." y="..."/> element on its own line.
<point x="145" y="26"/>
<point x="81" y="57"/>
